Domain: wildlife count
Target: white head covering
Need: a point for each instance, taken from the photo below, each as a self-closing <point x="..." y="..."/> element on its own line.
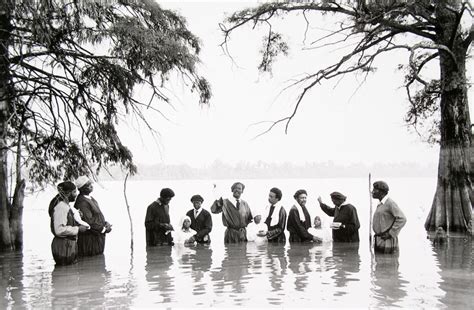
<point x="82" y="180"/>
<point x="184" y="218"/>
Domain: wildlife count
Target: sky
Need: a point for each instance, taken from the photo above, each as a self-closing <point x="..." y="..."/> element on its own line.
<point x="340" y="123"/>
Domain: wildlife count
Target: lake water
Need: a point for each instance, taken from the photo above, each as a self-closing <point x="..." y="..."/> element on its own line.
<point x="250" y="275"/>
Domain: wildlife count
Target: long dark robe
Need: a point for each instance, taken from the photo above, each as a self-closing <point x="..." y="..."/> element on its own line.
<point x="63" y="248"/>
<point x="276" y="233"/>
<point x="157" y="215"/>
<point x="202" y="225"/>
<point x="236" y="220"/>
<point x="347" y="215"/>
<point x="92" y="241"/>
<point x="299" y="229"/>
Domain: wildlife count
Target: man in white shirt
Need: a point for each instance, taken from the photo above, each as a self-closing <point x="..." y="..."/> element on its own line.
<point x="63" y="226"/>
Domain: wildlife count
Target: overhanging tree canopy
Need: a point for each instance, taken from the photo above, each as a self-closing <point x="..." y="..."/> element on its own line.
<point x="68" y="71"/>
<point x="428" y="31"/>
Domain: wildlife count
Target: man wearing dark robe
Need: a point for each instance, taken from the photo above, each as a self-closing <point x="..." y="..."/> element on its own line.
<point x="276" y="217"/>
<point x="157" y="220"/>
<point x="92" y="241"/>
<point x="201" y="221"/>
<point x="345" y="227"/>
<point x="299" y="220"/>
<point x="236" y="215"/>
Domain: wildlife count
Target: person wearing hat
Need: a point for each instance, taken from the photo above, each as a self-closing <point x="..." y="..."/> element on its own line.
<point x="201" y="220"/>
<point x="299" y="220"/>
<point x="92" y="241"/>
<point x="388" y="220"/>
<point x="157" y="220"/>
<point x="63" y="226"/>
<point x="345" y="226"/>
<point x="236" y="214"/>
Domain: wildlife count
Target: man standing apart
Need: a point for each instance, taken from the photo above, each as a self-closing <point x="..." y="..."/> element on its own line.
<point x="345" y="227"/>
<point x="201" y="221"/>
<point x="276" y="218"/>
<point x="157" y="220"/>
<point x="236" y="215"/>
<point x="388" y="220"/>
<point x="63" y="225"/>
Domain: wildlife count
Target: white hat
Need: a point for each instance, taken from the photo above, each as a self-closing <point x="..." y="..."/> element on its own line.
<point x="82" y="180"/>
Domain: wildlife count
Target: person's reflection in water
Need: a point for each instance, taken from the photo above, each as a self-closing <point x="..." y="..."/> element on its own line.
<point x="11" y="273"/>
<point x="346" y="263"/>
<point x="277" y="263"/>
<point x="388" y="284"/>
<point x="201" y="260"/>
<point x="84" y="285"/>
<point x="298" y="262"/>
<point x="456" y="263"/>
<point x="65" y="287"/>
<point x="234" y="269"/>
<point x="158" y="264"/>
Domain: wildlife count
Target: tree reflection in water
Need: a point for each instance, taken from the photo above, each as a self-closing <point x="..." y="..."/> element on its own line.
<point x="456" y="261"/>
<point x="11" y="268"/>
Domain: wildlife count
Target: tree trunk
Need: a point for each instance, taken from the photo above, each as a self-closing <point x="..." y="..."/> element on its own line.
<point x="5" y="237"/>
<point x="452" y="203"/>
<point x="16" y="216"/>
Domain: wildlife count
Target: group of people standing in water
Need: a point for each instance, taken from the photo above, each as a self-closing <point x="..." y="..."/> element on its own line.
<point x="80" y="230"/>
<point x="242" y="226"/>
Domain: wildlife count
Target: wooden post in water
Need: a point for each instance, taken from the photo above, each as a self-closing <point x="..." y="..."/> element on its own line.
<point x="370" y="211"/>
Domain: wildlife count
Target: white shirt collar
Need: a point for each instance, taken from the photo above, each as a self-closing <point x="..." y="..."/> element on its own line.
<point x="197" y="212"/>
<point x="87" y="196"/>
<point x="384" y="199"/>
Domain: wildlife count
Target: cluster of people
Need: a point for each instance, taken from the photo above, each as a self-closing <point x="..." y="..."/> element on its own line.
<point x="80" y="230"/>
<point x="242" y="226"/>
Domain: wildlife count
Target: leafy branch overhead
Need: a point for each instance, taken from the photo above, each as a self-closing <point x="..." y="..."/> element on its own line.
<point x="74" y="66"/>
<point x="426" y="30"/>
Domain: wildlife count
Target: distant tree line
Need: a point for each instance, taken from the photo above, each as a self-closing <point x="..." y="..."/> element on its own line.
<point x="263" y="170"/>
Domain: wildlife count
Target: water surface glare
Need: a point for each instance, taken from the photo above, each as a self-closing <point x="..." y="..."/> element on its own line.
<point x="250" y="275"/>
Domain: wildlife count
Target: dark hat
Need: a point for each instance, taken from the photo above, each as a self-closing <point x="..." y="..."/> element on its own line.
<point x="382" y="186"/>
<point x="66" y="187"/>
<point x="338" y="195"/>
<point x="299" y="192"/>
<point x="166" y="193"/>
<point x="197" y="198"/>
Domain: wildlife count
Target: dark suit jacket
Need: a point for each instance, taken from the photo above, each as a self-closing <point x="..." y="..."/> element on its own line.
<point x="202" y="225"/>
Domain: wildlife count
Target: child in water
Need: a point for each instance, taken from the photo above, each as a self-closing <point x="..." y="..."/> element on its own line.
<point x="257" y="231"/>
<point x="318" y="231"/>
<point x="183" y="235"/>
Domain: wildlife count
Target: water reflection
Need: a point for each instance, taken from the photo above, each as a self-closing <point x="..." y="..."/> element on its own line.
<point x="277" y="264"/>
<point x="455" y="258"/>
<point x="233" y="274"/>
<point x="11" y="268"/>
<point x="389" y="286"/>
<point x="346" y="260"/>
<point x="80" y="284"/>
<point x="299" y="263"/>
<point x="158" y="264"/>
